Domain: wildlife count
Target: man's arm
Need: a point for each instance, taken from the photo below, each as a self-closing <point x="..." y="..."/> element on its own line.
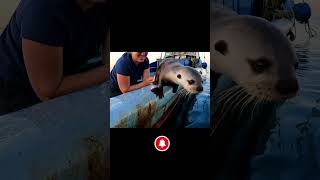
<point x="44" y="66"/>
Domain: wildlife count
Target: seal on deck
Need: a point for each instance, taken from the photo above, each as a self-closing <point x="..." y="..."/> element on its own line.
<point x="171" y="73"/>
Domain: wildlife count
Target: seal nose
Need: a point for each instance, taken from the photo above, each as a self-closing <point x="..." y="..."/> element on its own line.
<point x="288" y="86"/>
<point x="199" y="88"/>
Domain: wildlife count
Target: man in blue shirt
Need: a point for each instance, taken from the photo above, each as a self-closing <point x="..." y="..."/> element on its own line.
<point x="45" y="47"/>
<point x="130" y="72"/>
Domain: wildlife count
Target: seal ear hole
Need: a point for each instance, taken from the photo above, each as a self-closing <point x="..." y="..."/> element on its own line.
<point x="222" y="47"/>
<point x="179" y="76"/>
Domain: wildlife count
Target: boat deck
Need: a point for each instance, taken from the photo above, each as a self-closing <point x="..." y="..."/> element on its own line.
<point x="141" y="108"/>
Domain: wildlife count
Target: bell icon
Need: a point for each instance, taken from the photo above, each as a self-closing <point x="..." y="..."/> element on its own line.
<point x="162" y="143"/>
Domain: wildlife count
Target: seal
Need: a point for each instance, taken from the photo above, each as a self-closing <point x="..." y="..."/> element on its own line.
<point x="172" y="73"/>
<point x="255" y="54"/>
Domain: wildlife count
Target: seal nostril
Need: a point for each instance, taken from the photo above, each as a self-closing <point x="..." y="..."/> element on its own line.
<point x="287" y="86"/>
<point x="200" y="88"/>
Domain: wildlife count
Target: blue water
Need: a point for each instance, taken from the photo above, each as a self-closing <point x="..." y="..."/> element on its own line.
<point x="293" y="147"/>
<point x="199" y="112"/>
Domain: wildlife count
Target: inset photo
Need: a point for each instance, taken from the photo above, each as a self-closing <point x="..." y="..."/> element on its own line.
<point x="159" y="90"/>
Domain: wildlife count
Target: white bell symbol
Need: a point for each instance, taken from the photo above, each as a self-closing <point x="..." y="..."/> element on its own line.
<point x="162" y="143"/>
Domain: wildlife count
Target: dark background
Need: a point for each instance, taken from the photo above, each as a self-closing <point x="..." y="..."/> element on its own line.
<point x="159" y="26"/>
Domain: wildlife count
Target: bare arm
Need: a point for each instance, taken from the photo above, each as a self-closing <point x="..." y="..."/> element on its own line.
<point x="124" y="82"/>
<point x="44" y="66"/>
<point x="146" y="74"/>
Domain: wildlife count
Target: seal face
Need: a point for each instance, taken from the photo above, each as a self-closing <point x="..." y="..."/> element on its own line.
<point x="171" y="73"/>
<point x="255" y="54"/>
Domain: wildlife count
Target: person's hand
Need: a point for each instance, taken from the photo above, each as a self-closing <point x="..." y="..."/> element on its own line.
<point x="148" y="81"/>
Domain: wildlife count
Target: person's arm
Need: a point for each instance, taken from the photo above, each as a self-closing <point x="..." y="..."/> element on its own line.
<point x="124" y="83"/>
<point x="146" y="74"/>
<point x="44" y="65"/>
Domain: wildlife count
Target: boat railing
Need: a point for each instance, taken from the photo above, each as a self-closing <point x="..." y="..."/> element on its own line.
<point x="63" y="138"/>
<point x="142" y="108"/>
<point x="243" y="7"/>
<point x="59" y="138"/>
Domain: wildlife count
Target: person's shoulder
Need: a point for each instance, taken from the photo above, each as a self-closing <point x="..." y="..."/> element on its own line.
<point x="45" y="7"/>
<point x="123" y="65"/>
<point x="123" y="60"/>
<point x="124" y="57"/>
<point x="48" y="3"/>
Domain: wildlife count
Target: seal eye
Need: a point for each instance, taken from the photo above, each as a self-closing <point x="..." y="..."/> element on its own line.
<point x="222" y="47"/>
<point x="179" y="76"/>
<point x="260" y="65"/>
<point x="296" y="65"/>
<point x="191" y="82"/>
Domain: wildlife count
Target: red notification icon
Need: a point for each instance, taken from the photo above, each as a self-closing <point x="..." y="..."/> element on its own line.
<point x="162" y="143"/>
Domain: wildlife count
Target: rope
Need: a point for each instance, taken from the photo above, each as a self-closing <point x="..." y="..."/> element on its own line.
<point x="310" y="31"/>
<point x="289" y="15"/>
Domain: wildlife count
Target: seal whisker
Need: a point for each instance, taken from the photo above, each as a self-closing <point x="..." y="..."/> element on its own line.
<point x="248" y="98"/>
<point x="235" y="103"/>
<point x="185" y="94"/>
<point x="241" y="92"/>
<point x="227" y="93"/>
<point x="247" y="102"/>
<point x="236" y="93"/>
<point x="230" y="96"/>
<point x="244" y="95"/>
<point x="255" y="102"/>
<point x="243" y="106"/>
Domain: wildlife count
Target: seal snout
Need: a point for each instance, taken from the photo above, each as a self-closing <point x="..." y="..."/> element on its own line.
<point x="199" y="88"/>
<point x="287" y="87"/>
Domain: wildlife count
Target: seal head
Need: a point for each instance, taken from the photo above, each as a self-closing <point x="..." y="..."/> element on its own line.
<point x="256" y="55"/>
<point x="171" y="73"/>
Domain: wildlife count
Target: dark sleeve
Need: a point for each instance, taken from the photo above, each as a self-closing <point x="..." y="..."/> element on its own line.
<point x="123" y="67"/>
<point x="146" y="64"/>
<point x="42" y="22"/>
